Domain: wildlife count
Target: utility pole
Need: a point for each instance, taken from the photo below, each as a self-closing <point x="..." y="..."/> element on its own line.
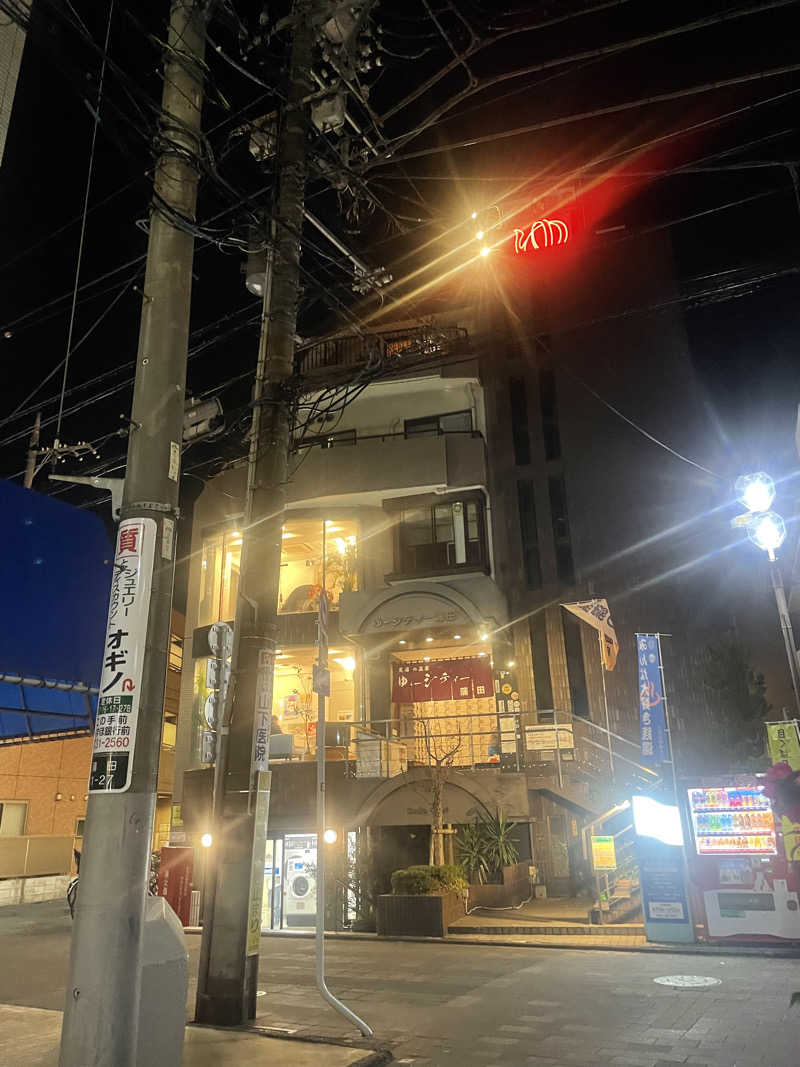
<point x="33" y="451"/>
<point x="103" y="992"/>
<point x="227" y="981"/>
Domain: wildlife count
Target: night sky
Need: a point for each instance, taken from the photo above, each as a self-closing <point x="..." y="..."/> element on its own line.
<point x="735" y="263"/>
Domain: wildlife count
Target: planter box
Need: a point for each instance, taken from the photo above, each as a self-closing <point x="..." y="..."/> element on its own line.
<point x="418" y="916"/>
<point x="516" y="887"/>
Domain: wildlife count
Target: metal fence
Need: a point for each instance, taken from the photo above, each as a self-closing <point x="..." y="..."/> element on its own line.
<point x="356" y="350"/>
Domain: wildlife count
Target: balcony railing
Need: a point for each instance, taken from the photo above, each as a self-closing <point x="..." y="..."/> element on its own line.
<point x="483" y="740"/>
<point x="419" y="342"/>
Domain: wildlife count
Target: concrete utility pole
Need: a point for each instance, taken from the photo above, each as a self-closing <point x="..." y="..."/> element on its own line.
<point x="33" y="451"/>
<point x="226" y="989"/>
<point x="103" y="993"/>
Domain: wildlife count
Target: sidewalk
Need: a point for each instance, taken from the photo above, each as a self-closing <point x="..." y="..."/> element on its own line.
<point x="29" y="1037"/>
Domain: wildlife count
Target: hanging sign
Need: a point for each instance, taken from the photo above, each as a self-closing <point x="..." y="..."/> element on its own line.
<point x="652" y="719"/>
<point x="123" y="657"/>
<point x="783" y="745"/>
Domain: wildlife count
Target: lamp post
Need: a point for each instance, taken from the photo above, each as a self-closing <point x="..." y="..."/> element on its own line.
<point x="767" y="530"/>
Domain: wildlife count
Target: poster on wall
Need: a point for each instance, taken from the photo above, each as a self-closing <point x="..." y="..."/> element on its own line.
<point x="123" y="657"/>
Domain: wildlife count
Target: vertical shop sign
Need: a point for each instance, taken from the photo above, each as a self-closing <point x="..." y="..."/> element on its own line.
<point x="783" y="745"/>
<point x="123" y="657"/>
<point x="652" y="720"/>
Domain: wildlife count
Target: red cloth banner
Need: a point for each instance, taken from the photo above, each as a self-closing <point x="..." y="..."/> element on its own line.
<point x="482" y="681"/>
<point x="443" y="679"/>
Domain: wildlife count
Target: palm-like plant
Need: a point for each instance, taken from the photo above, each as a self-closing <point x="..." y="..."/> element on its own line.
<point x="473" y="851"/>
<point x="501" y="847"/>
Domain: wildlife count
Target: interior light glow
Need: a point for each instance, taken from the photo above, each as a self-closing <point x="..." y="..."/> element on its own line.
<point x="485" y="251"/>
<point x="206" y="840"/>
<point x="347" y="662"/>
<point x="330" y="837"/>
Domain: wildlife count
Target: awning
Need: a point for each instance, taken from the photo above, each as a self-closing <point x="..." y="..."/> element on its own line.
<point x="40" y="709"/>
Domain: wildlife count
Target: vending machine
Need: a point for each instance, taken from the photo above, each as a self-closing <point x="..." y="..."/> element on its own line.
<point x="737" y="865"/>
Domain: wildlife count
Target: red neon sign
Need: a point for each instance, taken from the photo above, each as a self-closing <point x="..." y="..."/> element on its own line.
<point x="544" y="233"/>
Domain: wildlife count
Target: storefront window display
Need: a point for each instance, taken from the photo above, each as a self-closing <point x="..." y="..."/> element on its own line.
<point x="301" y="562"/>
<point x="294" y="705"/>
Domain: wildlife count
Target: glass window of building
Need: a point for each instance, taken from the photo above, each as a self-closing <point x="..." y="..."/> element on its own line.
<point x="294" y="705"/>
<point x="441" y="537"/>
<point x="433" y="425"/>
<point x="301" y="562"/>
<point x="219" y="576"/>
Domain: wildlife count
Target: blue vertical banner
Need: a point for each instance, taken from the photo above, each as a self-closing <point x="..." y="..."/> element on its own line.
<point x="652" y="720"/>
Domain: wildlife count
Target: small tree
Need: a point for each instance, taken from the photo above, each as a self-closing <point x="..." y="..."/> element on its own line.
<point x="441" y="759"/>
<point x="739" y="692"/>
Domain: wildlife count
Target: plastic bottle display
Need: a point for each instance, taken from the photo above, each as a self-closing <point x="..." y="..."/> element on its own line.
<point x="732" y="820"/>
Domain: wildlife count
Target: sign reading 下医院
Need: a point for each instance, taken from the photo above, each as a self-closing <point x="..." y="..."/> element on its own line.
<point x="652" y="719"/>
<point x="123" y="657"/>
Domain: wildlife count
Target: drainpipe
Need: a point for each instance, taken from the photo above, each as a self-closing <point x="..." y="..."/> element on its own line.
<point x="488" y="505"/>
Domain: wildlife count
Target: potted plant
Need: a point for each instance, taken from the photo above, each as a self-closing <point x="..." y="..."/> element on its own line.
<point x="424" y="901"/>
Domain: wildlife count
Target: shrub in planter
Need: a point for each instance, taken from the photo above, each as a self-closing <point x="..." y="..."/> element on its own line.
<point x="425" y="879"/>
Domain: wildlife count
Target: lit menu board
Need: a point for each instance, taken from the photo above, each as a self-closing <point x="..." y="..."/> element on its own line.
<point x="732" y="820"/>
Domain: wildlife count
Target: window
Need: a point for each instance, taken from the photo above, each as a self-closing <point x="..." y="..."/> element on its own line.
<point x="558" y="512"/>
<point x="548" y="403"/>
<point x="12" y="817"/>
<point x="575" y="668"/>
<point x="519" y="422"/>
<point x="441" y="536"/>
<point x="541" y="661"/>
<point x="301" y="562"/>
<point x="175" y="656"/>
<point x="219" y="577"/>
<point x="433" y="425"/>
<point x="80" y="826"/>
<point x="529" y="533"/>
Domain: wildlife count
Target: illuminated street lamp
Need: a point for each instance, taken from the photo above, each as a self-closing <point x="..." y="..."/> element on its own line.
<point x="767" y="530"/>
<point x="755" y="491"/>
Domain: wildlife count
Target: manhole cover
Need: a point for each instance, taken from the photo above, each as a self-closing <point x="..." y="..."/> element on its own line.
<point x="687" y="981"/>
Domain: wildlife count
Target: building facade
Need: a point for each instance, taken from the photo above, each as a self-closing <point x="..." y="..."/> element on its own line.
<point x="458" y="502"/>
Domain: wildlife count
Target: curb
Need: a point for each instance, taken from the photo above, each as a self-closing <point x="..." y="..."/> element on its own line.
<point x="375" y="1057"/>
<point x="512" y="941"/>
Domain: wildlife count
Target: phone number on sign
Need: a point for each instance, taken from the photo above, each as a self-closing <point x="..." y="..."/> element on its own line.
<point x="112" y="742"/>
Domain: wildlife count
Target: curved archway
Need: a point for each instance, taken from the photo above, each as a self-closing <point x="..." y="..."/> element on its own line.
<point x="468" y="798"/>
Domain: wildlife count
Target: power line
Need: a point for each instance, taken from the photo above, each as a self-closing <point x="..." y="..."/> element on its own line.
<point x="89" y="173"/>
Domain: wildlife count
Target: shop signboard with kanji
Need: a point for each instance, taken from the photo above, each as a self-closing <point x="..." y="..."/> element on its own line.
<point x="123" y="657"/>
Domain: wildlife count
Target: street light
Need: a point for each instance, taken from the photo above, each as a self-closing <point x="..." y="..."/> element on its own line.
<point x="755" y="491"/>
<point x="330" y="837"/>
<point x="206" y="840"/>
<point x="767" y="530"/>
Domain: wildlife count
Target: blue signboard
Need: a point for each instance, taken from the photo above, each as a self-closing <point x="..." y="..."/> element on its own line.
<point x="652" y="719"/>
<point x="55" y="569"/>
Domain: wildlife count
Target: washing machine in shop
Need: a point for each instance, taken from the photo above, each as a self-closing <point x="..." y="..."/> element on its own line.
<point x="300" y="884"/>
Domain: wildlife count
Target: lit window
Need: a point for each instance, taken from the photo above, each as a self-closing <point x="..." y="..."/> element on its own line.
<point x="219" y="577"/>
<point x="301" y="562"/>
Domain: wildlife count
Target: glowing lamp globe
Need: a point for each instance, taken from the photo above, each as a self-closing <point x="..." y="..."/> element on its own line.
<point x="755" y="491"/>
<point x="768" y="532"/>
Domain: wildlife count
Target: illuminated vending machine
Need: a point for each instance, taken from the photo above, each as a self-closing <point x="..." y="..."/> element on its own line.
<point x="737" y="864"/>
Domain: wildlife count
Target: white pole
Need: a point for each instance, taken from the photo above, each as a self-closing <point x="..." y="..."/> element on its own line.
<point x="320" y="919"/>
<point x="667" y="719"/>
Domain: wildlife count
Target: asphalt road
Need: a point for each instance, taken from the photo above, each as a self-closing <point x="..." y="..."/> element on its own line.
<point x="483" y="1004"/>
